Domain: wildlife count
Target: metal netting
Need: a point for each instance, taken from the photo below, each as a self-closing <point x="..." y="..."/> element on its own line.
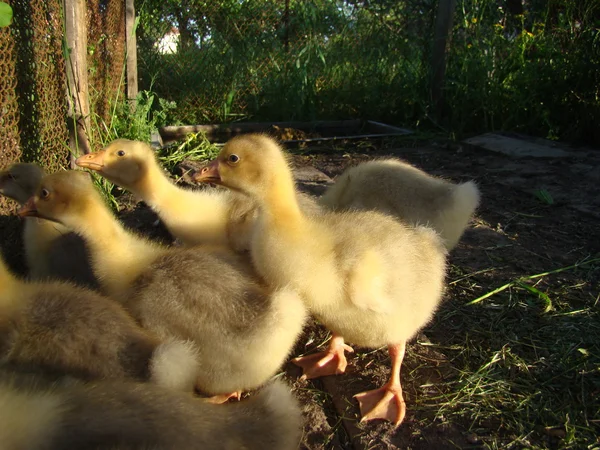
<point x="106" y="60"/>
<point x="40" y="74"/>
<point x="206" y="59"/>
<point x="228" y="60"/>
<point x="33" y="85"/>
<point x="9" y="108"/>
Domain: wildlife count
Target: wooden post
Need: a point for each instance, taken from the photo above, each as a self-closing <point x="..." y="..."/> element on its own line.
<point x="443" y="27"/>
<point x="77" y="77"/>
<point x="132" y="73"/>
<point x="286" y="24"/>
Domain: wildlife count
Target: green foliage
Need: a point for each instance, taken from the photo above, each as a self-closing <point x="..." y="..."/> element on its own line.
<point x="537" y="71"/>
<point x="544" y="196"/>
<point x="6" y="14"/>
<point x="134" y="121"/>
<point x="195" y="146"/>
<point x="325" y="62"/>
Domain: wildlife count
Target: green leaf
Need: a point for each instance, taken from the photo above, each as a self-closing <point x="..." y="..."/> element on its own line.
<point x="6" y="14"/>
<point x="543" y="296"/>
<point x="544" y="196"/>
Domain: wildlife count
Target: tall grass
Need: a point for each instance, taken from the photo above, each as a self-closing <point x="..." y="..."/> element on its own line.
<point x="538" y="72"/>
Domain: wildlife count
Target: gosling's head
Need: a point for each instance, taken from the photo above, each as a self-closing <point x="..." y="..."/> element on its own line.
<point x="122" y="162"/>
<point x="62" y="197"/>
<point x="251" y="163"/>
<point x="20" y="181"/>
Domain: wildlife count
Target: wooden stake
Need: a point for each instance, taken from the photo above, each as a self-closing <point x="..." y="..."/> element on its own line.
<point x="443" y="27"/>
<point x="77" y="77"/>
<point x="132" y="73"/>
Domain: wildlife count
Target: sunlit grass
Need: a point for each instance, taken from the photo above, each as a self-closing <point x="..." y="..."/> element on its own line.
<point x="526" y="375"/>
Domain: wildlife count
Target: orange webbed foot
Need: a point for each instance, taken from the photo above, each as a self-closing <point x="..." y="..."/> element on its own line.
<point x="330" y="362"/>
<point x="222" y="398"/>
<point x="384" y="403"/>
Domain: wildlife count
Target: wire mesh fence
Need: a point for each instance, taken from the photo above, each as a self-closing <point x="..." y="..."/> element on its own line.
<point x="9" y="109"/>
<point x="40" y="91"/>
<point x="106" y="61"/>
<point x="33" y="86"/>
<point x="524" y="65"/>
<point x="222" y="61"/>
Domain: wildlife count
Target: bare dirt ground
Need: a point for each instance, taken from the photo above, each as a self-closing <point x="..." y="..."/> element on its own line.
<point x="514" y="234"/>
<point x="467" y="377"/>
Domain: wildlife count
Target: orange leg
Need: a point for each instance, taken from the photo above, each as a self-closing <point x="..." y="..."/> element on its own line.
<point x="330" y="362"/>
<point x="222" y="398"/>
<point x="387" y="401"/>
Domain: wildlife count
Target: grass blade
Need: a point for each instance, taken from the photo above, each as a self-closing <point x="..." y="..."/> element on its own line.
<point x="539" y="293"/>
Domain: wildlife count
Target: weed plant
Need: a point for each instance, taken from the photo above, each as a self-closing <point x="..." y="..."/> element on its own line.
<point x="537" y="71"/>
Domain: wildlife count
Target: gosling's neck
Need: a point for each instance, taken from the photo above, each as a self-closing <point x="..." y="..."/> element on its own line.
<point x="279" y="204"/>
<point x="21" y="196"/>
<point x="155" y="187"/>
<point x="195" y="217"/>
<point x="118" y="256"/>
<point x="10" y="286"/>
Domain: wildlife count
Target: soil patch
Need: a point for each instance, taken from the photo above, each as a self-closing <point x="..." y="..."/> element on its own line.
<point x="518" y="231"/>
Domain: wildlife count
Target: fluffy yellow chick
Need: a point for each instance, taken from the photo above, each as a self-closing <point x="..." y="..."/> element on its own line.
<point x="52" y="251"/>
<point x="367" y="277"/>
<point x="210" y="296"/>
<point x="39" y="411"/>
<point x="395" y="187"/>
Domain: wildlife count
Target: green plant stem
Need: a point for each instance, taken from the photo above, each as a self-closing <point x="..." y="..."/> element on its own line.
<point x="520" y="282"/>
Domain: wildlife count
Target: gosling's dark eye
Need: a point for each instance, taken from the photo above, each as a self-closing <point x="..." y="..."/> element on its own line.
<point x="233" y="159"/>
<point x="45" y="193"/>
<point x="121" y="153"/>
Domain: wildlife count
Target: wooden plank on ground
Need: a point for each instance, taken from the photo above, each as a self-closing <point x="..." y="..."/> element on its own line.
<point x="171" y="133"/>
<point x="517" y="148"/>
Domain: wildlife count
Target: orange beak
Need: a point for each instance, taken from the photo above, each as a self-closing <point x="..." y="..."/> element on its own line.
<point x="92" y="161"/>
<point x="208" y="174"/>
<point x="28" y="209"/>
